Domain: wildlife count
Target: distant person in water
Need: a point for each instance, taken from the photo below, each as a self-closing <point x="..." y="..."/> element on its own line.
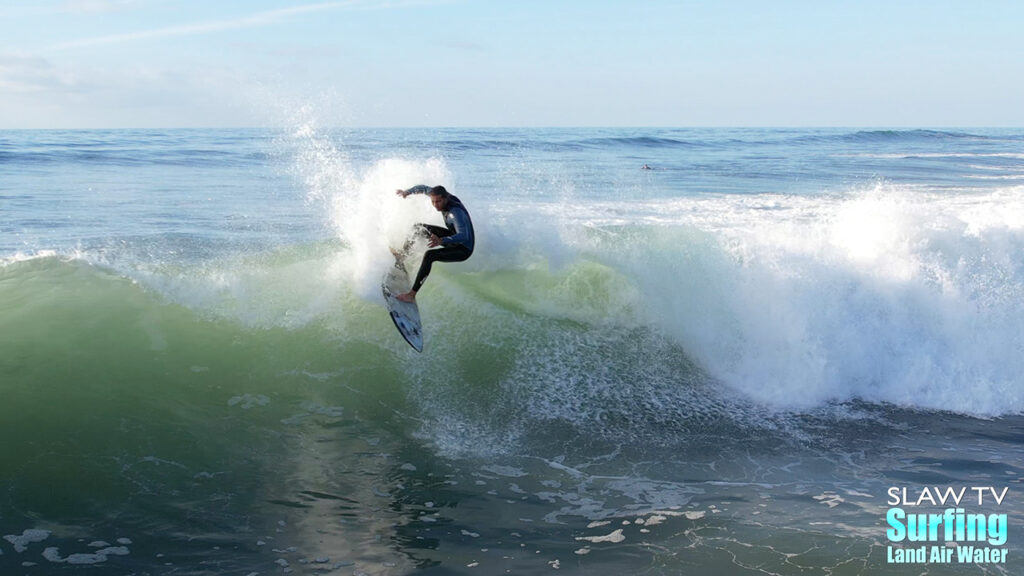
<point x="454" y="243"/>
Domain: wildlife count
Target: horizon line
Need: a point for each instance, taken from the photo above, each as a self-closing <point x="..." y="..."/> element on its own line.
<point x="551" y="127"/>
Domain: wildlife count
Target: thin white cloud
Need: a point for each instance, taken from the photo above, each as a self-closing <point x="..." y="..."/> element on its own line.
<point x="208" y="27"/>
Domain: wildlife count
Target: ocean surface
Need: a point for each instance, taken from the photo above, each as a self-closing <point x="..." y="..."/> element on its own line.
<point x="717" y="365"/>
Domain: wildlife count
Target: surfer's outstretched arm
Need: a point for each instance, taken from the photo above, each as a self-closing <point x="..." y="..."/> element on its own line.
<point x="418" y="189"/>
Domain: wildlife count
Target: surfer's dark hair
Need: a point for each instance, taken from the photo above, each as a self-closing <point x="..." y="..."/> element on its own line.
<point x="439" y="191"/>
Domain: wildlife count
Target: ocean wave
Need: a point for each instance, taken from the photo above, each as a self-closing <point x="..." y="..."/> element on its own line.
<point x="786" y="303"/>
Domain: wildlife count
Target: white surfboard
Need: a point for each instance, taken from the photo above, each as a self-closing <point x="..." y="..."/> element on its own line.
<point x="406" y="315"/>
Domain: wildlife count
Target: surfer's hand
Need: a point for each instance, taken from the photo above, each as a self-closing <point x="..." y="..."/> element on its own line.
<point x="434" y="241"/>
<point x="401" y="193"/>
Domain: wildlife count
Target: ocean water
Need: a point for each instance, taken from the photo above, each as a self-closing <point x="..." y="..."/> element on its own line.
<point x="718" y="365"/>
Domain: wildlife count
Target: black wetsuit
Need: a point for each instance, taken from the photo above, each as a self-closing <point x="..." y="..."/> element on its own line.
<point x="457" y="237"/>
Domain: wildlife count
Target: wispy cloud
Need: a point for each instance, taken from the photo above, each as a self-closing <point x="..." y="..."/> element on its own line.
<point x="25" y="74"/>
<point x="258" y="19"/>
<point x="36" y="92"/>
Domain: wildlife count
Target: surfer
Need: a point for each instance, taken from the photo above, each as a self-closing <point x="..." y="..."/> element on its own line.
<point x="453" y="243"/>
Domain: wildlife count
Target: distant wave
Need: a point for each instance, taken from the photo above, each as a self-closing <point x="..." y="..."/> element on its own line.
<point x="129" y="158"/>
<point x="640" y="142"/>
<point x="822" y="137"/>
<point x="915" y="134"/>
<point x="132" y="149"/>
<point x="887" y="136"/>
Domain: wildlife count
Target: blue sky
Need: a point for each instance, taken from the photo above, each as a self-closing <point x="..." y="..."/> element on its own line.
<point x="174" y="63"/>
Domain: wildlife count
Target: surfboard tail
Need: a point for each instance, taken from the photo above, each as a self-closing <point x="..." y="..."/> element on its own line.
<point x="405" y="315"/>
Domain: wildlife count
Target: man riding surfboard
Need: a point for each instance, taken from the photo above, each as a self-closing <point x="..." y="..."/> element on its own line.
<point x="453" y="243"/>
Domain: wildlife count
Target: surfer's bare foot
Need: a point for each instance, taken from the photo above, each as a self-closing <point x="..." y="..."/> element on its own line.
<point x="407" y="297"/>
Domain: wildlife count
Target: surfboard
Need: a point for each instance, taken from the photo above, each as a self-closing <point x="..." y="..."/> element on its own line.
<point x="405" y="315"/>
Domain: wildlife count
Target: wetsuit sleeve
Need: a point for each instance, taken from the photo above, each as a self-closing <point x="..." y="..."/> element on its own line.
<point x="463" y="230"/>
<point x="419" y="189"/>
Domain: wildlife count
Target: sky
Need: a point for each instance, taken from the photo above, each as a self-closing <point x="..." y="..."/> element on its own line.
<point x="412" y="63"/>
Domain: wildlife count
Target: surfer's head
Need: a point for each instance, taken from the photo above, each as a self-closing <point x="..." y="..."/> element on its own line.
<point x="439" y="197"/>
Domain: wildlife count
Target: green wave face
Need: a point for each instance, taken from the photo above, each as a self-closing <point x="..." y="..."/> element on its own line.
<point x="98" y="368"/>
<point x="135" y="409"/>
